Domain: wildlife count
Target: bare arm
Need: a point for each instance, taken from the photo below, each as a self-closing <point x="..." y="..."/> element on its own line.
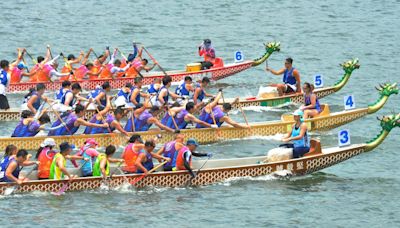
<point x="80" y="121"/>
<point x="278" y="72"/>
<point x="155" y="121"/>
<point x="32" y="100"/>
<point x="228" y="120"/>
<point x="139" y="161"/>
<point x="60" y="165"/>
<point x="193" y="119"/>
<point x="296" y="75"/>
<point x="118" y="126"/>
<point x="10" y="170"/>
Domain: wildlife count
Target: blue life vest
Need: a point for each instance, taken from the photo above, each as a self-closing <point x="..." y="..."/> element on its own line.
<point x="181" y="90"/>
<point x="4" y="165"/>
<point x="202" y="94"/>
<point x="148" y="163"/>
<point x="121" y="93"/>
<point x="152" y="89"/>
<point x="3" y="77"/>
<point x="166" y="97"/>
<point x="179" y="120"/>
<point x="140" y="122"/>
<point x="61" y="95"/>
<point x="94" y="93"/>
<point x="137" y="98"/>
<point x="288" y="77"/>
<point x="87" y="167"/>
<point x="36" y="105"/>
<point x="22" y="130"/>
<point x="100" y="130"/>
<point x="303" y="142"/>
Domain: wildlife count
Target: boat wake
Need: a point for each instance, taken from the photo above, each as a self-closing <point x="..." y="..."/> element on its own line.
<point x="277" y="175"/>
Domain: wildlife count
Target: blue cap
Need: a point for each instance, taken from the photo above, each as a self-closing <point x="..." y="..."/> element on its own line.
<point x="192" y="142"/>
<point x="21" y="66"/>
<point x="65" y="146"/>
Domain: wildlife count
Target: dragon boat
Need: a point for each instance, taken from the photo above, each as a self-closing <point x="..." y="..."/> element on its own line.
<point x="348" y="67"/>
<point x="213" y="171"/>
<point x="215" y="74"/>
<point x="325" y="121"/>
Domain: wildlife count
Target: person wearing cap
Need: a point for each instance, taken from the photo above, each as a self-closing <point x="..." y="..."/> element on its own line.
<point x="11" y="170"/>
<point x="58" y="168"/>
<point x="215" y="114"/>
<point x="131" y="153"/>
<point x="170" y="149"/>
<point x="184" y="156"/>
<point x="101" y="166"/>
<point x="144" y="162"/>
<point x="45" y="155"/>
<point x="298" y="136"/>
<point x="89" y="152"/>
<point x="208" y="52"/>
<point x="17" y="68"/>
<point x="291" y="78"/>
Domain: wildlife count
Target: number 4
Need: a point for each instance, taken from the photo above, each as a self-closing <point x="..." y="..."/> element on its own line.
<point x="349" y="102"/>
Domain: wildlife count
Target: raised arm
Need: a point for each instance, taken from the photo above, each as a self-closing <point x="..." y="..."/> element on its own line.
<point x="279" y="72"/>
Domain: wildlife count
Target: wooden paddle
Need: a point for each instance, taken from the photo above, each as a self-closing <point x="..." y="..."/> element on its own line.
<point x="155" y="61"/>
<point x="173" y="119"/>
<point x="59" y="118"/>
<point x="30" y="56"/>
<point x="68" y="65"/>
<point x="151" y="171"/>
<point x="15" y="187"/>
<point x="197" y="173"/>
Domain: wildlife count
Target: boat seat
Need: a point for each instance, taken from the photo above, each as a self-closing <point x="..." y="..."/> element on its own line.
<point x="325" y="111"/>
<point x="315" y="147"/>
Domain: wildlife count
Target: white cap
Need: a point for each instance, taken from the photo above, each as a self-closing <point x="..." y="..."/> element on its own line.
<point x="48" y="142"/>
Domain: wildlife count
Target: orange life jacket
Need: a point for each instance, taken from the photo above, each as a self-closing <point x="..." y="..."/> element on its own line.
<point x="130" y="157"/>
<point x="45" y="158"/>
<point x="106" y="73"/>
<point x="123" y="64"/>
<point x="180" y="159"/>
<point x="65" y="69"/>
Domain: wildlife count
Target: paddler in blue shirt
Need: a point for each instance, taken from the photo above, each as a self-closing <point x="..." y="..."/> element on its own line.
<point x="10" y="171"/>
<point x="4" y="67"/>
<point x="291" y="78"/>
<point x="298" y="136"/>
<point x="213" y="113"/>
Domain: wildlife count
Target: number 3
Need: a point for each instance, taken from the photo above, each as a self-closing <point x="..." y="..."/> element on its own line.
<point x="344" y="138"/>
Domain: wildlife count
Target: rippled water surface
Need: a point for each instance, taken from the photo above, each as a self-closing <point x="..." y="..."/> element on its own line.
<point x="317" y="34"/>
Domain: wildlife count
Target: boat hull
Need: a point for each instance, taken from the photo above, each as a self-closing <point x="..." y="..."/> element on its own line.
<point x="208" y="175"/>
<point x="214" y="74"/>
<point x="205" y="135"/>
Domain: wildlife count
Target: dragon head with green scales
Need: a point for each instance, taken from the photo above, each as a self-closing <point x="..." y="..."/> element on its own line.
<point x="348" y="67"/>
<point x="270" y="48"/>
<point x="385" y="91"/>
<point x="387" y="124"/>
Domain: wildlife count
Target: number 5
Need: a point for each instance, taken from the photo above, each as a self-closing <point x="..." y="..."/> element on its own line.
<point x="318" y="81"/>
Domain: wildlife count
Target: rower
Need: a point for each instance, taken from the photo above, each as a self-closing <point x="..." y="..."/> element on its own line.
<point x="9" y="153"/>
<point x="113" y="67"/>
<point x="213" y="113"/>
<point x="183" y="116"/>
<point x="33" y="100"/>
<point x="69" y="65"/>
<point x="155" y="87"/>
<point x="48" y="71"/>
<point x="17" y="68"/>
<point x="113" y="120"/>
<point x="291" y="78"/>
<point x="186" y="88"/>
<point x="58" y="168"/>
<point x="72" y="122"/>
<point x="86" y="69"/>
<point x="30" y="126"/>
<point x="311" y="107"/>
<point x="98" y="62"/>
<point x="144" y="161"/>
<point x="164" y="93"/>
<point x="131" y="153"/>
<point x="88" y="151"/>
<point x="208" y="52"/>
<point x="184" y="156"/>
<point x="170" y="149"/>
<point x="200" y="92"/>
<point x="45" y="155"/>
<point x="100" y="94"/>
<point x="10" y="171"/>
<point x="139" y="64"/>
<point x="136" y="92"/>
<point x="144" y="118"/>
<point x="298" y="136"/>
<point x="4" y="68"/>
<point x="123" y="95"/>
<point x="101" y="166"/>
<point x="39" y="65"/>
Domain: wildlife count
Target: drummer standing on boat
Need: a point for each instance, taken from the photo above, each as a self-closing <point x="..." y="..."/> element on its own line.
<point x="4" y="67"/>
<point x="291" y="78"/>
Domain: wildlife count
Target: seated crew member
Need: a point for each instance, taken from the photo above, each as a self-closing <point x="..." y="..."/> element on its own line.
<point x="143" y="119"/>
<point x="58" y="168"/>
<point x="200" y="92"/>
<point x="123" y="95"/>
<point x="48" y="71"/>
<point x="311" y="106"/>
<point x="182" y="117"/>
<point x="88" y="151"/>
<point x="184" y="156"/>
<point x="213" y="113"/>
<point x="30" y="126"/>
<point x="136" y="92"/>
<point x="113" y="120"/>
<point x="69" y="95"/>
<point x="113" y="67"/>
<point x="69" y="66"/>
<point x="155" y="87"/>
<point x="144" y="161"/>
<point x="45" y="155"/>
<point x="164" y="93"/>
<point x="101" y="167"/>
<point x="298" y="136"/>
<point x="11" y="170"/>
<point x="208" y="52"/>
<point x="131" y="153"/>
<point x="186" y="88"/>
<point x="40" y="62"/>
<point x="291" y="78"/>
<point x="17" y="68"/>
<point x="170" y="149"/>
<point x="9" y="153"/>
<point x="139" y="64"/>
<point x="86" y="70"/>
<point x="33" y="100"/>
<point x="99" y="95"/>
<point x="71" y="122"/>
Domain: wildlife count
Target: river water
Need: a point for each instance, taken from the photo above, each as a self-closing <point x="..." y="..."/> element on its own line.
<point x="318" y="35"/>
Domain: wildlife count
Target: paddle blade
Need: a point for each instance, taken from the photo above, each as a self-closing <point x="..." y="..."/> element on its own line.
<point x="61" y="191"/>
<point x="137" y="179"/>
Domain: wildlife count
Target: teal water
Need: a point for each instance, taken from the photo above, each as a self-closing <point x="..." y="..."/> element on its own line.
<point x="318" y="35"/>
